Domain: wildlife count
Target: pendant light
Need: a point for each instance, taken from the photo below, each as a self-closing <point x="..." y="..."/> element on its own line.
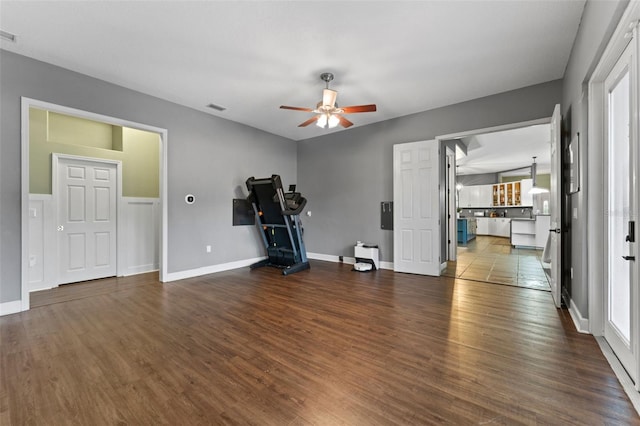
<point x="536" y="189"/>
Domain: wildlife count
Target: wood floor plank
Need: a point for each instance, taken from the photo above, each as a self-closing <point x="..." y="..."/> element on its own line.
<point x="323" y="346"/>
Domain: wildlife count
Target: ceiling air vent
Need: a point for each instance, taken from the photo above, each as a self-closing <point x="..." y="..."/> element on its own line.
<point x="216" y="107"/>
<point x="5" y="35"/>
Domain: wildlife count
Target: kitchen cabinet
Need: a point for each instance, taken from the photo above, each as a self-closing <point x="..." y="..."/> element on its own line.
<point x="530" y="232"/>
<point x="499" y="194"/>
<point x="509" y="194"/>
<point x="523" y="232"/>
<point x="463" y="197"/>
<point x="495" y="226"/>
<point x="466" y="230"/>
<point x="484" y="195"/>
<point x="482" y="226"/>
<point x="512" y="194"/>
<point x="517" y="193"/>
<point x="474" y="196"/>
<point x="500" y="226"/>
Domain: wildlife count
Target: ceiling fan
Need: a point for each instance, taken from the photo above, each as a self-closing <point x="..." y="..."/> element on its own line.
<point x="329" y="115"/>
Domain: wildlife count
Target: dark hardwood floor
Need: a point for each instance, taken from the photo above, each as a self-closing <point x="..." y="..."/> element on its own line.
<point x="326" y="346"/>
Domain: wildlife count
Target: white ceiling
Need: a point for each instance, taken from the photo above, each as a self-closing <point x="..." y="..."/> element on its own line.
<point x="506" y="150"/>
<point x="253" y="56"/>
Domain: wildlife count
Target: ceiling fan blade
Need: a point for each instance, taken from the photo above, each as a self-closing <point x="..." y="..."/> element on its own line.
<point x="344" y="122"/>
<point x="329" y="97"/>
<point x="358" y="108"/>
<point x="296" y="108"/>
<point x="309" y="121"/>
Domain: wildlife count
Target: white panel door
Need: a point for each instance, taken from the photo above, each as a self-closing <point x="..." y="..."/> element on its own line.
<point x="555" y="208"/>
<point x="86" y="200"/>
<point x="416" y="236"/>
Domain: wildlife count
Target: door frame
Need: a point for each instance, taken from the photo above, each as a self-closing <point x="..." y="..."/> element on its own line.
<point x="55" y="201"/>
<point x="27" y="103"/>
<point x="626" y="32"/>
<point x="452" y="200"/>
<point x="467" y="133"/>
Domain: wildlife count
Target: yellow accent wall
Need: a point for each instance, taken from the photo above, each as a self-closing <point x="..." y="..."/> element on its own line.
<point x="142" y="154"/>
<point x="542" y="180"/>
<point x="138" y="150"/>
<point x="68" y="130"/>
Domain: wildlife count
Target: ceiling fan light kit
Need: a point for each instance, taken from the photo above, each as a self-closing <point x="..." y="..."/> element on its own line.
<point x="328" y="112"/>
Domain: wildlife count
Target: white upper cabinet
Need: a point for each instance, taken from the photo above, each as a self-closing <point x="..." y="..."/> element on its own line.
<point x="463" y="197"/>
<point x="485" y="195"/>
<point x="510" y="194"/>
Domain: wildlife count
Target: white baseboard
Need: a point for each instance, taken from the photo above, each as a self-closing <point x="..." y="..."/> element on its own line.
<point x="8" y="308"/>
<point x="140" y="270"/>
<point x="620" y="372"/>
<point x="581" y="323"/>
<point x="174" y="276"/>
<point x="386" y="265"/>
<point x="41" y="287"/>
<point x="345" y="259"/>
<point x="331" y="258"/>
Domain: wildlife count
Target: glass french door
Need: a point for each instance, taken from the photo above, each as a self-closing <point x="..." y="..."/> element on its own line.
<point x="621" y="214"/>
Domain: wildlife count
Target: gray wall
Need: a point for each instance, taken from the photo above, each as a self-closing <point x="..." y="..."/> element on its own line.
<point x="208" y="157"/>
<point x="599" y="20"/>
<point x="346" y="175"/>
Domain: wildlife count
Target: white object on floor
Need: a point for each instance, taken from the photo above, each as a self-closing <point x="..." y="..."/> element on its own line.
<point x="367" y="252"/>
<point x="362" y="266"/>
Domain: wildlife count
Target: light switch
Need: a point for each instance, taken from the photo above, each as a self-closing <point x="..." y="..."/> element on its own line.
<point x="33" y="212"/>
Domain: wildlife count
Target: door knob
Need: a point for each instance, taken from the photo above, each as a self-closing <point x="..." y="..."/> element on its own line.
<point x="60" y="227"/>
<point x="556" y="230"/>
<point x="629" y="257"/>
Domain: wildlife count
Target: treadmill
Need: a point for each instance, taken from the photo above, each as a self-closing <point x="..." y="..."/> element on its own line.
<point x="278" y="220"/>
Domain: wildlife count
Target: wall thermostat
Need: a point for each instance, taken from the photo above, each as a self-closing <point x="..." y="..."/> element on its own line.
<point x="189" y="198"/>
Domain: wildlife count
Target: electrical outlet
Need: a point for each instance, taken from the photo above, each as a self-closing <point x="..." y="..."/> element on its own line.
<point x="208" y="249"/>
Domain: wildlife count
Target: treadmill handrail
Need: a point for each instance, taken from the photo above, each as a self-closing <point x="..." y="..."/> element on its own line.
<point x="291" y="212"/>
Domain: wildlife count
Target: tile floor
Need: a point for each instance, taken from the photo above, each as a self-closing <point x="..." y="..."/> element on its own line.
<point x="493" y="259"/>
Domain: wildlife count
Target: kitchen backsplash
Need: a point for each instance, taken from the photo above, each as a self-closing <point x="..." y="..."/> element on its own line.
<point x="540" y="201"/>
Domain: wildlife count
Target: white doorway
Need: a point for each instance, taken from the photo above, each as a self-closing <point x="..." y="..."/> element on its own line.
<point x="85" y="196"/>
<point x="493" y="154"/>
<point x="29" y="104"/>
